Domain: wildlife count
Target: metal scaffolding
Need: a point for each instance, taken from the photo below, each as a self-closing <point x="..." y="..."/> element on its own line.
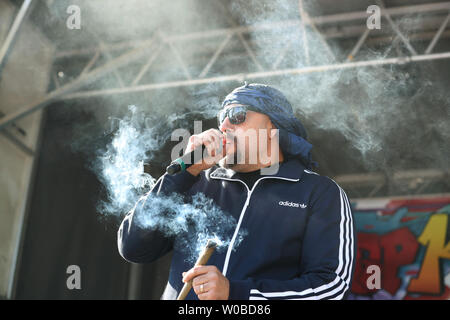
<point x="343" y="26"/>
<point x="13" y="30"/>
<point x="4" y="50"/>
<point x="146" y="52"/>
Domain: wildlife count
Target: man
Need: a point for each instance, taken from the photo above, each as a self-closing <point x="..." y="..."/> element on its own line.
<point x="300" y="239"/>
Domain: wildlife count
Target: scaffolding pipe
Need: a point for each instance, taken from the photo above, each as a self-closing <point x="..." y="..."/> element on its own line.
<point x="320" y="20"/>
<point x="13" y="31"/>
<point x="74" y="85"/>
<point x="241" y="77"/>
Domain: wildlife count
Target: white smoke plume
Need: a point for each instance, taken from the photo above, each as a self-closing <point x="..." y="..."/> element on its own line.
<point x="120" y="168"/>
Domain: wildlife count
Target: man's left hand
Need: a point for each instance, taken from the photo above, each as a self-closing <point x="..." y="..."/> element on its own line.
<point x="208" y="283"/>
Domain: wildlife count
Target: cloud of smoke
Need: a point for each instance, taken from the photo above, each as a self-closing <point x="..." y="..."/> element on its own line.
<point x="191" y="223"/>
<point x="136" y="139"/>
<point x="122" y="164"/>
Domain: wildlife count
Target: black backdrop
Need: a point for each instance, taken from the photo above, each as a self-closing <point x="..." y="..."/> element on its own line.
<point x="64" y="228"/>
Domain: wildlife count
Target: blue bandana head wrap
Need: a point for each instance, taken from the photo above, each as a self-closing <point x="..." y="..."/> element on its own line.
<point x="271" y="102"/>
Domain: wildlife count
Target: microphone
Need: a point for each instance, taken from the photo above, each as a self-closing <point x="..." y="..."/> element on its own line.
<point x="184" y="162"/>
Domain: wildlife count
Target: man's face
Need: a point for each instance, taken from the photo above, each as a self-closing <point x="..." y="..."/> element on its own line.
<point x="247" y="142"/>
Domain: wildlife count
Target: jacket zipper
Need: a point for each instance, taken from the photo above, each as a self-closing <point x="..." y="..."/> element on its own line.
<point x="241" y="216"/>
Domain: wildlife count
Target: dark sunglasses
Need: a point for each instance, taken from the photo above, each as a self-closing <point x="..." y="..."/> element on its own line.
<point x="236" y="115"/>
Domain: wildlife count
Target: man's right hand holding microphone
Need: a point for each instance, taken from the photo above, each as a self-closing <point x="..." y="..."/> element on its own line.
<point x="214" y="142"/>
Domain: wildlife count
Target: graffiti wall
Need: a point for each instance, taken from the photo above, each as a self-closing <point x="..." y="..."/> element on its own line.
<point x="403" y="248"/>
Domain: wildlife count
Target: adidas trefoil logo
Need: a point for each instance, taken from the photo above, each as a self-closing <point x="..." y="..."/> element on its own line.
<point x="292" y="204"/>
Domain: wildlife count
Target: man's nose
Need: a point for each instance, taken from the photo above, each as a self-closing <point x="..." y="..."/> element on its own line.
<point x="226" y="125"/>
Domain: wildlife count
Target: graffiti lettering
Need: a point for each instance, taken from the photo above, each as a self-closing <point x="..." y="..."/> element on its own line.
<point x="433" y="236"/>
<point x="368" y="253"/>
<point x="400" y="248"/>
<point x="389" y="251"/>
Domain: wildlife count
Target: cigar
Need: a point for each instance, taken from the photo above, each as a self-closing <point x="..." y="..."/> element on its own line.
<point x="201" y="261"/>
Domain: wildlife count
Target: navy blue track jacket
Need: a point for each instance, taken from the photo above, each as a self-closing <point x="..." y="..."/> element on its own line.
<point x="300" y="242"/>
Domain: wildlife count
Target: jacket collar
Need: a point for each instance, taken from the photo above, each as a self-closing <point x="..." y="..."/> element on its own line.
<point x="291" y="169"/>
